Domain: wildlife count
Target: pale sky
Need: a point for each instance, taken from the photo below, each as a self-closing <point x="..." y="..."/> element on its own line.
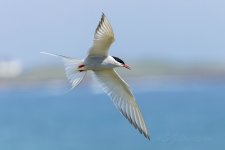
<point x="180" y="30"/>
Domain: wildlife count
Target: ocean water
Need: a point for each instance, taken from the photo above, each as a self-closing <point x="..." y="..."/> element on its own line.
<point x="47" y="119"/>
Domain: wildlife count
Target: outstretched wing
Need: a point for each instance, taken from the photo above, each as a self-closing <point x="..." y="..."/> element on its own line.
<point x="118" y="90"/>
<point x="103" y="38"/>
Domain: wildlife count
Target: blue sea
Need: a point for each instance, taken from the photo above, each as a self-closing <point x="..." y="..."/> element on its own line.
<point x="43" y="118"/>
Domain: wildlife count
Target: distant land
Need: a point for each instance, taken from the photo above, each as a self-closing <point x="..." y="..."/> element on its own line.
<point x="142" y="72"/>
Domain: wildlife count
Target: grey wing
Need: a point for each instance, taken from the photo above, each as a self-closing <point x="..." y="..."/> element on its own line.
<point x="103" y="38"/>
<point x="118" y="90"/>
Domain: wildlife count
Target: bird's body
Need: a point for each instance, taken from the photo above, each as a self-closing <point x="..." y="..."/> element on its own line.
<point x="102" y="64"/>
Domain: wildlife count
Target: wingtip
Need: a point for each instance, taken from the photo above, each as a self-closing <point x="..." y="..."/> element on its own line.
<point x="103" y="14"/>
<point x="148" y="137"/>
<point x="100" y="23"/>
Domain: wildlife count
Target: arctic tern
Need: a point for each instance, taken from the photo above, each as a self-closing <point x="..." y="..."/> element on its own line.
<point x="103" y="65"/>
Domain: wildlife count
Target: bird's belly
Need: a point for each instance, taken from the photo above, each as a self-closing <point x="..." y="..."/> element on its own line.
<point x="99" y="66"/>
<point x="98" y="63"/>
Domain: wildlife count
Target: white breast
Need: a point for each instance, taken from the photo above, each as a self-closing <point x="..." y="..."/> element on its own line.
<point x="100" y="63"/>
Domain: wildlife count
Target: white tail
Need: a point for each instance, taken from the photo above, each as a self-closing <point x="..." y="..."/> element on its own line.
<point x="71" y="69"/>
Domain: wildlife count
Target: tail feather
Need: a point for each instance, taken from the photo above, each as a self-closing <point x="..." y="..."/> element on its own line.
<point x="71" y="69"/>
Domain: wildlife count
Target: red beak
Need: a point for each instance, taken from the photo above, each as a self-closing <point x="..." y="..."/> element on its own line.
<point x="126" y="66"/>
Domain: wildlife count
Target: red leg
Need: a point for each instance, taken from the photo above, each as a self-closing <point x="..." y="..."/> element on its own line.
<point x="81" y="66"/>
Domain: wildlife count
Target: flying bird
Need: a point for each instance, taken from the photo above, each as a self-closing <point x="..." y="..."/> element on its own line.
<point x="102" y="64"/>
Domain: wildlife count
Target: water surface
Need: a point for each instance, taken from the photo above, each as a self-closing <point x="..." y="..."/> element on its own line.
<point x="43" y="118"/>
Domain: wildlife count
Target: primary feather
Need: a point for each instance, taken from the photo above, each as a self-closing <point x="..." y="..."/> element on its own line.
<point x="117" y="89"/>
<point x="103" y="38"/>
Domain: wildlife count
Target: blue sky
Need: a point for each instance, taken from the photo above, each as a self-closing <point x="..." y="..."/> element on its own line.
<point x="180" y="30"/>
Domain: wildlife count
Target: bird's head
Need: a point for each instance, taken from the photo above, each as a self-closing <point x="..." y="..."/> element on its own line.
<point x="121" y="62"/>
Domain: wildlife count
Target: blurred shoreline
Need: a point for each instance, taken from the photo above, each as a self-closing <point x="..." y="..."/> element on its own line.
<point x="143" y="72"/>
